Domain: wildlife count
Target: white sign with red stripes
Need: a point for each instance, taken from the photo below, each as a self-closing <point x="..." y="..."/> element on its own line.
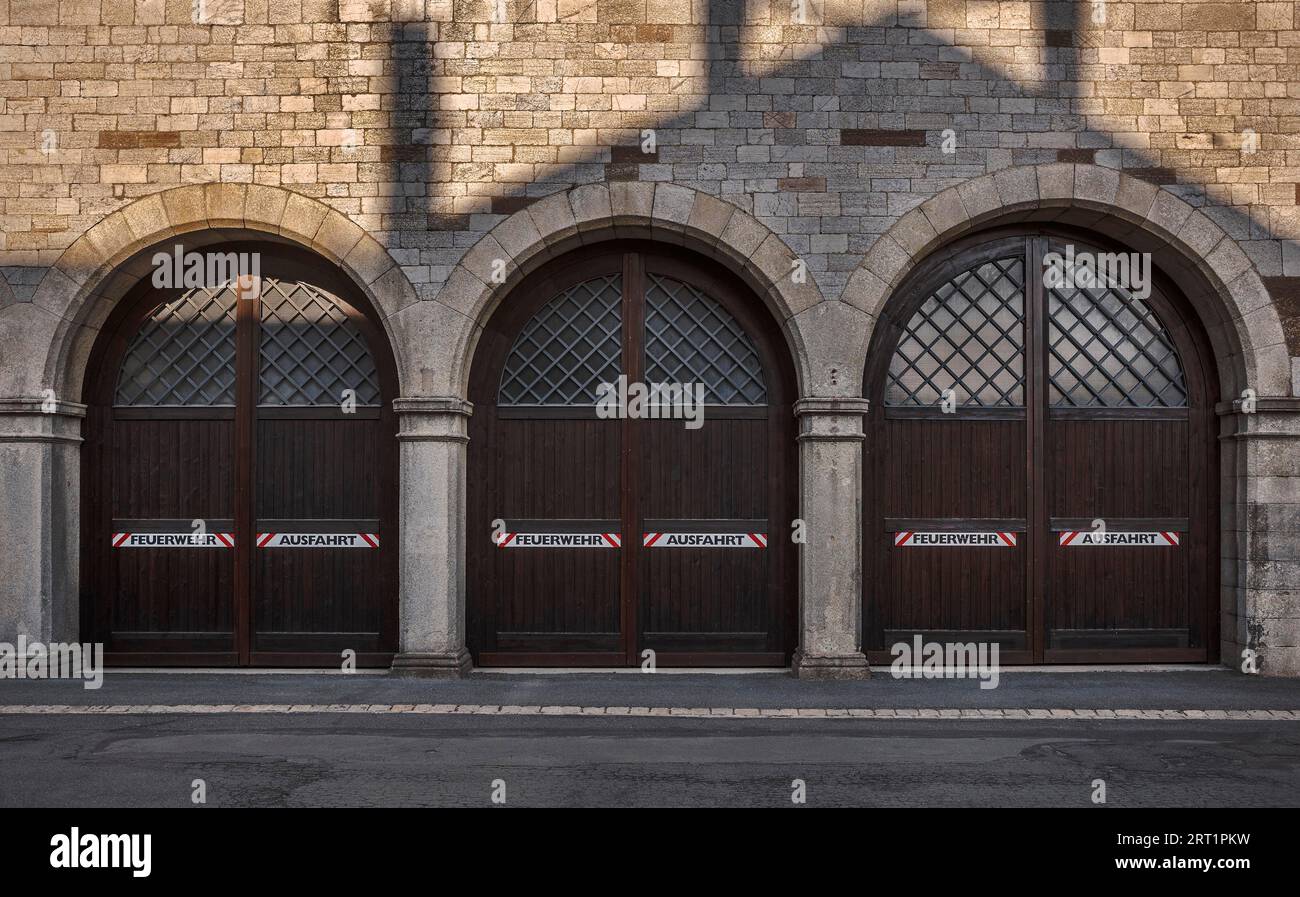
<point x="914" y="539"/>
<point x="173" y="540"/>
<point x="1093" y="537"/>
<point x="559" y="540"/>
<point x="317" y="540"/>
<point x="704" y="540"/>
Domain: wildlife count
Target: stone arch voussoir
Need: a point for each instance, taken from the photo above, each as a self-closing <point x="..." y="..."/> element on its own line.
<point x="84" y="284"/>
<point x="597" y="213"/>
<point x="1214" y="272"/>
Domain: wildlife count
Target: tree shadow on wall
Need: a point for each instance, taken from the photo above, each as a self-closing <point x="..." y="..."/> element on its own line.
<point x="840" y="74"/>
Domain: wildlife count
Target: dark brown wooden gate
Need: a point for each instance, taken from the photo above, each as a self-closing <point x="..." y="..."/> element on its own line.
<point x="591" y="539"/>
<point x="239" y="474"/>
<point x="1040" y="461"/>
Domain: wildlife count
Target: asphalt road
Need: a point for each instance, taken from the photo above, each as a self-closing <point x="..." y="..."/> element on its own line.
<point x="412" y="759"/>
<point x="357" y="760"/>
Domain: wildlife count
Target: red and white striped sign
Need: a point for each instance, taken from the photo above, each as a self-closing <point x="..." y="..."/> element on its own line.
<point x="173" y="540"/>
<point x="317" y="540"/>
<point x="1092" y="537"/>
<point x="704" y="540"/>
<point x="915" y="539"/>
<point x="559" y="540"/>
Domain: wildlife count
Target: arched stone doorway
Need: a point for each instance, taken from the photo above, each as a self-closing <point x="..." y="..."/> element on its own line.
<point x="239" y="502"/>
<point x="1232" y="305"/>
<point x="592" y="538"/>
<point x="1041" y="456"/>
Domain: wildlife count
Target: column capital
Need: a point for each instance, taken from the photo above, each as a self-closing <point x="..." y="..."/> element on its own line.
<point x="1274" y="404"/>
<point x="433" y="418"/>
<point x="832" y="405"/>
<point x="1270" y="417"/>
<point x="28" y="419"/>
<point x="432" y="405"/>
<point x="831" y="419"/>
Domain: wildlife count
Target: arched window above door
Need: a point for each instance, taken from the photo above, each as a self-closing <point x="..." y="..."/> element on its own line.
<point x="183" y="354"/>
<point x="968" y="336"/>
<point x="571" y="346"/>
<point x="690" y="338"/>
<point x="1107" y="349"/>
<point x="575" y="342"/>
<point x="312" y="353"/>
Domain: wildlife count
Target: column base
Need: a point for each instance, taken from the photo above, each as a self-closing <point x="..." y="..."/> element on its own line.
<point x="833" y="667"/>
<point x="433" y="666"/>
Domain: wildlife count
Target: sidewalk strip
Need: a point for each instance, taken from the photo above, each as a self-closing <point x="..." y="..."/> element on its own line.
<point x="790" y="713"/>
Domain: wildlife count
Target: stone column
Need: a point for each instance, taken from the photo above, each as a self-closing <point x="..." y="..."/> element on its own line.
<point x="1260" y="613"/>
<point x="830" y="561"/>
<point x="40" y="476"/>
<point x="433" y="441"/>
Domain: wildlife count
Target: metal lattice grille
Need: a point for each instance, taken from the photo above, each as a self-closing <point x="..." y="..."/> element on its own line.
<point x="968" y="337"/>
<point x="311" y="350"/>
<point x="690" y="338"/>
<point x="1108" y="350"/>
<point x="568" y="348"/>
<point x="183" y="354"/>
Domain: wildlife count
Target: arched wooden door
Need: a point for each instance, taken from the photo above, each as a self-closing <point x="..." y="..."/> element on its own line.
<point x="1040" y="461"/>
<point x="592" y="540"/>
<point x="239" y="491"/>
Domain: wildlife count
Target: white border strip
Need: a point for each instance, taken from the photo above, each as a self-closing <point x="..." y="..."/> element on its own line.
<point x="704" y="540"/>
<point x="559" y="540"/>
<point x="317" y="540"/>
<point x="1077" y="538"/>
<point x="931" y="539"/>
<point x="174" y="540"/>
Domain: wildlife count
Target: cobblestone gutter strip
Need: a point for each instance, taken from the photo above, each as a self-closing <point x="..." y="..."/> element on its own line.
<point x="921" y="713"/>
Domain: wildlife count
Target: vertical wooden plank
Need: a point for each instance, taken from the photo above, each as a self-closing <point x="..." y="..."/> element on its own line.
<point x="1037" y="536"/>
<point x="631" y="433"/>
<point x="247" y="317"/>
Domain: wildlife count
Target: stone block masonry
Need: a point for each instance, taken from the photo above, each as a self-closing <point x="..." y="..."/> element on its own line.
<point x="427" y="122"/>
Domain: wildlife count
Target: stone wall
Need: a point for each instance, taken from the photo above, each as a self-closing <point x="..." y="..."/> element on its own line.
<point x="416" y="141"/>
<point x="427" y="121"/>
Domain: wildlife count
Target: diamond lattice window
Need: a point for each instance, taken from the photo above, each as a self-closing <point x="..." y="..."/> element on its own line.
<point x="183" y="354"/>
<point x="312" y="351"/>
<point x="568" y="348"/>
<point x="690" y="338"/>
<point x="969" y="337"/>
<point x="1108" y="350"/>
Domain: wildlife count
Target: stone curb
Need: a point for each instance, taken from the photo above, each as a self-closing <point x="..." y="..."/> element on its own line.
<point x="801" y="713"/>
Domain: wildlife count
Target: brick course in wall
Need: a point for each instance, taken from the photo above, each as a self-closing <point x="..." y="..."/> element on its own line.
<point x="428" y="121"/>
